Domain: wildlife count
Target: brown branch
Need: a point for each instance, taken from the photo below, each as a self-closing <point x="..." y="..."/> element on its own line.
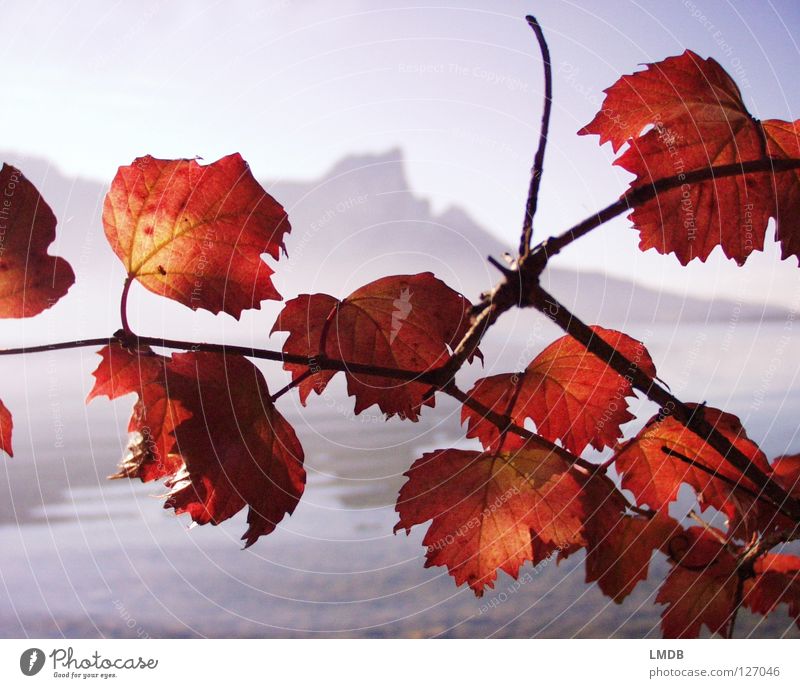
<point x="431" y="377"/>
<point x="641" y="194"/>
<point x="521" y="287"/>
<point x="505" y="424"/>
<point x="319" y="361"/>
<point x="670" y="405"/>
<point x="516" y="285"/>
<point x="724" y="478"/>
<point x="472" y="339"/>
<point x="538" y="160"/>
<point x="58" y="346"/>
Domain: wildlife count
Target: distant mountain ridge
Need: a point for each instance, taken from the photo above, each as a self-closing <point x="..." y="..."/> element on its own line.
<point x="360" y="221"/>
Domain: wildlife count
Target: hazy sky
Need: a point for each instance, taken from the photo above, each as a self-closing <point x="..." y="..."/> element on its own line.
<point x="294" y="86"/>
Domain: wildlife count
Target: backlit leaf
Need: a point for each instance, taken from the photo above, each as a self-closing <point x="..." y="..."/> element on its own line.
<point x="31" y="280"/>
<point x="196" y="233"/>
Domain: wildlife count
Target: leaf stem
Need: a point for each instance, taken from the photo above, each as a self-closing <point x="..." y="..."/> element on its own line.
<point x="123" y="305"/>
<point x="708" y="528"/>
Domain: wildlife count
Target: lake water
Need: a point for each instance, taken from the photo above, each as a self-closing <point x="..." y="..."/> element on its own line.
<point x="86" y="557"/>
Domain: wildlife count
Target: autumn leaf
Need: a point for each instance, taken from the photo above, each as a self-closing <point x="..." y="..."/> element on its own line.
<point x="205" y="423"/>
<point x="196" y="233"/>
<point x="620" y="558"/>
<point x="619" y="544"/>
<point x="237" y="448"/>
<point x="569" y="393"/>
<point x="783" y="141"/>
<point x="408" y="322"/>
<point x="152" y="453"/>
<point x="786" y="472"/>
<point x="655" y="477"/>
<point x="776" y="581"/>
<point x="31" y="280"/>
<point x="700" y="589"/>
<point x="492" y="511"/>
<point x="6" y="426"/>
<point x="683" y="114"/>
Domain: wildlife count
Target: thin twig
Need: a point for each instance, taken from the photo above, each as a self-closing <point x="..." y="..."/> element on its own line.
<point x="319" y="361"/>
<point x="291" y="385"/>
<point x="472" y="339"/>
<point x="538" y="160"/>
<point x="322" y="363"/>
<point x="505" y="424"/>
<point x="713" y="532"/>
<point x="74" y="344"/>
<point x="736" y="485"/>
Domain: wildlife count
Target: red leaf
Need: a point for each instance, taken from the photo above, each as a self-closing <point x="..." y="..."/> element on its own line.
<point x="698" y="120"/>
<point x="786" y="471"/>
<point x="408" y="322"/>
<point x="700" y="588"/>
<point x="674" y="91"/>
<point x="238" y="450"/>
<point x="655" y="477"/>
<point x="152" y="454"/>
<point x="777" y="581"/>
<point x="569" y="393"/>
<point x="196" y="234"/>
<point x="783" y="141"/>
<point x="6" y="426"/>
<point x="206" y="423"/>
<point x="491" y="511"/>
<point x="618" y="557"/>
<point x="31" y="280"/>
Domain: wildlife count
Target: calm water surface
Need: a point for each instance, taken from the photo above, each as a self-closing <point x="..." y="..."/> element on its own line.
<point x="87" y="557"/>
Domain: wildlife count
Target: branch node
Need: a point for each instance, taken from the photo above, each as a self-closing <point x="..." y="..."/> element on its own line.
<point x="126" y="339"/>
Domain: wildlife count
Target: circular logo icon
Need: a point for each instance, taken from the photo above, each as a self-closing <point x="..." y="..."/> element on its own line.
<point x="31" y="661"/>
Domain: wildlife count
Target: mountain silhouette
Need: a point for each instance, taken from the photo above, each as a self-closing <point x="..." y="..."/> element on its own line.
<point x="360" y="221"/>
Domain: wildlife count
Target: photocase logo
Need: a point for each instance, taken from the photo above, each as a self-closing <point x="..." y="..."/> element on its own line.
<point x="402" y="307"/>
<point x="31" y="661"/>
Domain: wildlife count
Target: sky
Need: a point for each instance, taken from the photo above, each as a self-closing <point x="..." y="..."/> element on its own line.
<point x="295" y="86"/>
